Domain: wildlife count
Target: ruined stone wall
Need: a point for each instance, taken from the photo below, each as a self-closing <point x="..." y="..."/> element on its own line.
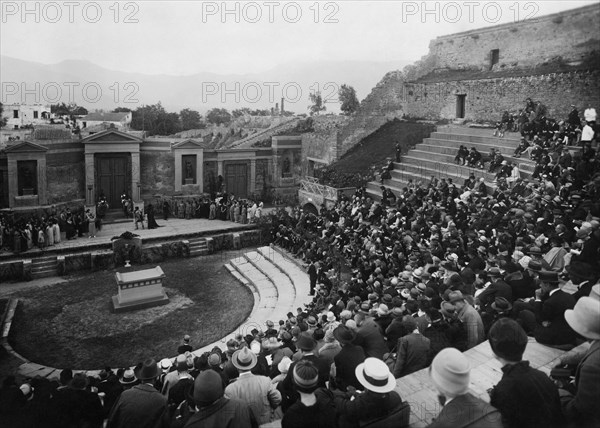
<point x="323" y="142"/>
<point x="486" y="99"/>
<point x="65" y="171"/>
<point x="565" y="36"/>
<point x="158" y="172"/>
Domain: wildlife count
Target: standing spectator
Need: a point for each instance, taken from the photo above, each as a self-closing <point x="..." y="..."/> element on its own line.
<point x="139" y="217"/>
<point x="378" y="400"/>
<point x="412" y="351"/>
<point x="450" y="373"/>
<point x="525" y="397"/>
<point x="185" y="346"/>
<point x="213" y="409"/>
<point x="347" y="359"/>
<point x="141" y="406"/>
<point x="257" y="391"/>
<point x="315" y="407"/>
<point x="470" y="318"/>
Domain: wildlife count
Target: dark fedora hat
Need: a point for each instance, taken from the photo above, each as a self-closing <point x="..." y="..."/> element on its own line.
<point x="534" y="265"/>
<point x="494" y="271"/>
<point x="500" y="304"/>
<point x="548" y="276"/>
<point x="306" y="342"/>
<point x="535" y="250"/>
<point x="582" y="270"/>
<point x="148" y="370"/>
<point x="344" y="334"/>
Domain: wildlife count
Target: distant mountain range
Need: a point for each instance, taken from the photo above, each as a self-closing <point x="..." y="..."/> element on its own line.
<point x="95" y="87"/>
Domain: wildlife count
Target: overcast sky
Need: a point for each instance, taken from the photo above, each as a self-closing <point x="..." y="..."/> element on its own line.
<point x="185" y="37"/>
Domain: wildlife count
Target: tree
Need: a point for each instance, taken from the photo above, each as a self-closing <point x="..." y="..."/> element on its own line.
<point x="3" y="120"/>
<point x="121" y="110"/>
<point x="190" y="119"/>
<point x="348" y="99"/>
<point x="317" y="103"/>
<point x="155" y="120"/>
<point x="218" y="116"/>
<point x="79" y="111"/>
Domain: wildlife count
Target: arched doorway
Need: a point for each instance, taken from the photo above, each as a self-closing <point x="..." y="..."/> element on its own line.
<point x="310" y="208"/>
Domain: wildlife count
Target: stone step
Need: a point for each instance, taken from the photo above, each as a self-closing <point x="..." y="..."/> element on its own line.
<point x="451" y="147"/>
<point x="432" y="159"/>
<point x="285" y="288"/>
<point x="35" y="263"/>
<point x="43" y="268"/>
<point x="43" y="274"/>
<point x="287" y="264"/>
<point x="266" y="289"/>
<point x="423" y="165"/>
<point x="471" y="139"/>
<point x="475" y="132"/>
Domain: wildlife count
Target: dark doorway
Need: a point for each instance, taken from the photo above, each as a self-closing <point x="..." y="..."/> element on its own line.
<point x="494" y="57"/>
<point x="236" y="179"/>
<point x="460" y="106"/>
<point x="3" y="189"/>
<point x="113" y="178"/>
<point x="27" y="177"/>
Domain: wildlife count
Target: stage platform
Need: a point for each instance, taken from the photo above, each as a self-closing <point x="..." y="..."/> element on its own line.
<point x="171" y="229"/>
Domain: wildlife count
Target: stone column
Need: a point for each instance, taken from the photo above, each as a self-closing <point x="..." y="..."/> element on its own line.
<point x="13" y="182"/>
<point x="41" y="180"/>
<point x="220" y="167"/>
<point x="252" y="175"/>
<point x="178" y="172"/>
<point x="135" y="176"/>
<point x="200" y="170"/>
<point x="89" y="179"/>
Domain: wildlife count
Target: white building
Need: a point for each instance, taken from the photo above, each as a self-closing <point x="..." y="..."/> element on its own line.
<point x="20" y="115"/>
<point x="120" y="120"/>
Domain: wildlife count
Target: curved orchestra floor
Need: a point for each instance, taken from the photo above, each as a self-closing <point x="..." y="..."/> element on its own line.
<point x="69" y="324"/>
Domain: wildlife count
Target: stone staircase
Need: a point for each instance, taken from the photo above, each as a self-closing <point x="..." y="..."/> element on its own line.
<point x="198" y="247"/>
<point x="44" y="267"/>
<point x="435" y="157"/>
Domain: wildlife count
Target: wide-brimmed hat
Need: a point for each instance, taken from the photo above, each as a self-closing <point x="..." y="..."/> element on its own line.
<point x="455" y="296"/>
<point x="500" y="304"/>
<point x="548" y="276"/>
<point x="165" y="363"/>
<point x="584" y="318"/>
<point x="375" y="376"/>
<point x="271" y="343"/>
<point x="306" y="342"/>
<point x="535" y="250"/>
<point x="344" y="334"/>
<point x="494" y="271"/>
<point x="581" y="270"/>
<point x="148" y="370"/>
<point x="449" y="266"/>
<point x="128" y="377"/>
<point x="447" y="309"/>
<point x="244" y="359"/>
<point x="450" y="372"/>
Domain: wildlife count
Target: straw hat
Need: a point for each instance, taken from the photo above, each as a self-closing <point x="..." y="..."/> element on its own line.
<point x="375" y="376"/>
<point x="584" y="318"/>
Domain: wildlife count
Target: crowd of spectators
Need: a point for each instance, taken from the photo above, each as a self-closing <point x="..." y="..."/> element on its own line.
<point x="399" y="285"/>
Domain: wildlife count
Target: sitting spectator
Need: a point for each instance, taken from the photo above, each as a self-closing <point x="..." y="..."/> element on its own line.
<point x="412" y="352"/>
<point x="474" y="158"/>
<point x="346" y="361"/>
<point x="461" y="156"/>
<point x="450" y="374"/>
<point x="471" y="319"/>
<point x="525" y="397"/>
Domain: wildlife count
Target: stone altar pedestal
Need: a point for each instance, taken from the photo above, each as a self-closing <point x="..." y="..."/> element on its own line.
<point x="139" y="290"/>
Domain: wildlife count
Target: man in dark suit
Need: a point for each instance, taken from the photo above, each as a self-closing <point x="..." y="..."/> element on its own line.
<point x="346" y="361"/>
<point x="312" y="274"/>
<point x="141" y="406"/>
<point x="369" y="336"/>
<point x="545" y="317"/>
<point x="306" y="344"/>
<point x="412" y="352"/>
<point x="497" y="288"/>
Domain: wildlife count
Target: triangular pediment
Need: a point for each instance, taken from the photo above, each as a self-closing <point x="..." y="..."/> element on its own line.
<point x="111" y="136"/>
<point x="26" y="147"/>
<point x="189" y="144"/>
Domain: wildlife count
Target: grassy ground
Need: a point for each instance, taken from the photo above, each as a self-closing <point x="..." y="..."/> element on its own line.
<point x="70" y="324"/>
